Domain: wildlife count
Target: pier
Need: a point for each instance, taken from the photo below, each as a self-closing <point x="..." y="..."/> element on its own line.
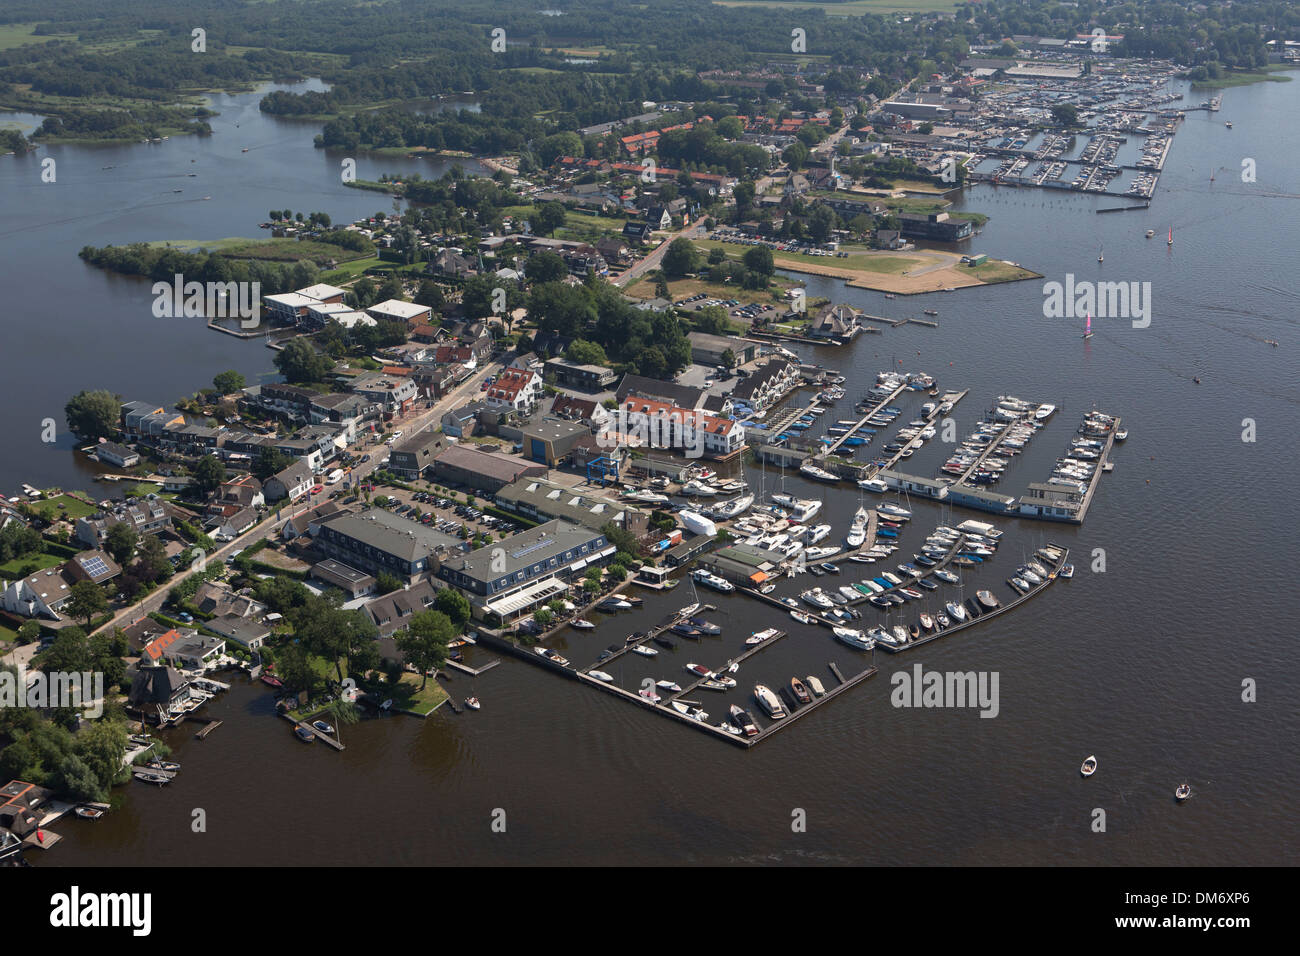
<point x="320" y="735"/>
<point x="984" y="616"/>
<point x="875" y="410"/>
<point x="917" y="441"/>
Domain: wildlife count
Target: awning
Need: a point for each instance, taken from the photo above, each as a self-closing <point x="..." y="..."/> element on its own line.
<point x="578" y="565"/>
<point x="606" y="553"/>
<point x="535" y="593"/>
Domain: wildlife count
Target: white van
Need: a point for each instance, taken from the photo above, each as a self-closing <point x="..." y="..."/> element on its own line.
<point x="334" y="477"/>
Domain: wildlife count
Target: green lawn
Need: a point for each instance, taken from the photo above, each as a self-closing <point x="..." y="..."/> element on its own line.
<point x="13" y="568"/>
<point x="72" y="507"/>
<point x="19" y="34"/>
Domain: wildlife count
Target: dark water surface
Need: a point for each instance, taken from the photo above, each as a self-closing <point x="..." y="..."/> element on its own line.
<point x="1142" y="664"/>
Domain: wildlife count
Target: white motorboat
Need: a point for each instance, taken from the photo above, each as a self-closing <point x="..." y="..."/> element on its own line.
<point x="853" y="638"/>
<point x="804" y="509"/>
<point x="700" y="489"/>
<point x="956" y="611"/>
<point x="670" y="686"/>
<point x="650" y="695"/>
<point x="873" y="484"/>
<point x="818" y="533"/>
<point x="815" y="686"/>
<point x="582" y="624"/>
<point x="1182" y="792"/>
<point x="602" y="676"/>
<point x="645" y="496"/>
<point x="803" y="618"/>
<point x="687" y="710"/>
<point x="697" y="523"/>
<point x="1089" y="766"/>
<point x="645" y="651"/>
<point x="818" y="599"/>
<point x="770" y="703"/>
<point x="758" y="637"/>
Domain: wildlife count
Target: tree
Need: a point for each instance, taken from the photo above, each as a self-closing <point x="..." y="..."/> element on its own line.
<point x="545" y="267"/>
<point x="28" y="632"/>
<point x="228" y="381"/>
<point x="1065" y="114"/>
<point x="430" y="294"/>
<point x="209" y="473"/>
<point x="795" y="155"/>
<point x="299" y="362"/>
<point x="86" y="600"/>
<point x="120" y="541"/>
<point x="548" y="217"/>
<point x="728" y="358"/>
<point x="583" y="352"/>
<point x="717" y="256"/>
<point x="758" y="259"/>
<point x="424" y="643"/>
<point x="269" y="461"/>
<point x="69" y="653"/>
<point x="455" y="605"/>
<point x="681" y="258"/>
<point x="152" y="564"/>
<point x="387" y="583"/>
<point x="94" y="414"/>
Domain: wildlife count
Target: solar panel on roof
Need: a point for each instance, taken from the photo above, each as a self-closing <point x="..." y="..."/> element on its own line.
<point x="529" y="549"/>
<point x="95" y="566"/>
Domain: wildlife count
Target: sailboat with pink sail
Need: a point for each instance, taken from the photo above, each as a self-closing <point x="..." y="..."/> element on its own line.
<point x="1087" y="328"/>
<point x="1171" y="235"/>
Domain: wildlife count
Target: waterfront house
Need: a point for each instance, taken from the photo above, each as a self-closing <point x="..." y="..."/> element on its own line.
<point x="161" y="693"/>
<point x="529" y="571"/>
<point x="393" y="611"/>
<point x="147" y="515"/>
<point x="22" y="807"/>
<point x="767" y="384"/>
<point x="245" y="631"/>
<point x="395" y="395"/>
<point x="111" y="453"/>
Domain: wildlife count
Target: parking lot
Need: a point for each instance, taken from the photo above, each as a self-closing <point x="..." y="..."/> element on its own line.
<point x="444" y="514"/>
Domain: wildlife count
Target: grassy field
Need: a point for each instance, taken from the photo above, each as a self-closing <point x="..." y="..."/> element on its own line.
<point x="12" y="568"/>
<point x="71" y="507"/>
<point x="1244" y="79"/>
<point x="854" y="8"/>
<point x="272" y="249"/>
<point x="20" y="34"/>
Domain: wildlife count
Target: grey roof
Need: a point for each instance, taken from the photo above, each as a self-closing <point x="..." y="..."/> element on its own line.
<point x="396" y="608"/>
<point x="391" y="534"/>
<point x="497" y="467"/>
<point x="522" y="550"/>
<point x="156" y="685"/>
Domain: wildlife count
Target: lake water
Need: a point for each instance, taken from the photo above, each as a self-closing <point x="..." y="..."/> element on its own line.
<point x="1142" y="664"/>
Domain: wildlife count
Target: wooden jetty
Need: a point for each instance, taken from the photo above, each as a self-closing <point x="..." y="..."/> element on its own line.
<point x="202" y="732"/>
<point x="337" y="745"/>
<point x="472" y="671"/>
<point x="954" y="398"/>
